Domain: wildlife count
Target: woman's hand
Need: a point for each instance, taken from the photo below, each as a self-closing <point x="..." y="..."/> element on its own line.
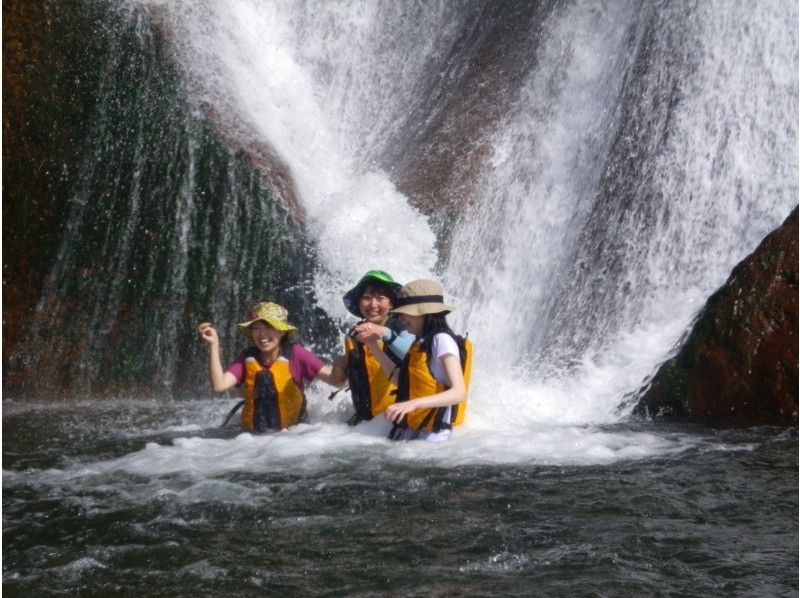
<point x="207" y="333"/>
<point x="396" y="411"/>
<point x="367" y="332"/>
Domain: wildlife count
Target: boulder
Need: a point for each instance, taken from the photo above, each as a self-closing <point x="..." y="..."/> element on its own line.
<point x="738" y="365"/>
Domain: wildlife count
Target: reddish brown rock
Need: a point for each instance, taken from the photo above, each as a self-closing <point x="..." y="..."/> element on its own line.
<point x="448" y="135"/>
<point x="274" y="172"/>
<point x="739" y="365"/>
<point x="33" y="180"/>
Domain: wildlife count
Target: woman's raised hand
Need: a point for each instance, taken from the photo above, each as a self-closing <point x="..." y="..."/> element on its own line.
<point x="207" y="333"/>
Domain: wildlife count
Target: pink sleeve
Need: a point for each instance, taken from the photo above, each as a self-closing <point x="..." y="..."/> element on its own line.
<point x="304" y="365"/>
<point x="237" y="368"/>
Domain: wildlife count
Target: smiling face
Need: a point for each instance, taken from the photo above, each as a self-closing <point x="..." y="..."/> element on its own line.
<point x="266" y="338"/>
<point x="374" y="305"/>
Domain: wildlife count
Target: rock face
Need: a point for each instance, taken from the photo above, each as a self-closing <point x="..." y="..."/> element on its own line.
<point x="739" y="365"/>
<point x="42" y="134"/>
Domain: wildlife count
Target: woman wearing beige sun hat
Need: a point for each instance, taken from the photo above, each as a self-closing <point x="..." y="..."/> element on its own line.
<point x="271" y="374"/>
<point x="433" y="379"/>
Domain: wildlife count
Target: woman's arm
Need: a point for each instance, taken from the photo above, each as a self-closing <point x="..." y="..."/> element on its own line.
<point x="339" y="371"/>
<point x="306" y="366"/>
<point x="389" y="367"/>
<point x="326" y="374"/>
<point x="220" y="380"/>
<point x="455" y="394"/>
<point x="397" y="342"/>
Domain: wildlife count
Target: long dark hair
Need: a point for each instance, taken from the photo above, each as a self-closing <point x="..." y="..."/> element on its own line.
<point x="433" y="325"/>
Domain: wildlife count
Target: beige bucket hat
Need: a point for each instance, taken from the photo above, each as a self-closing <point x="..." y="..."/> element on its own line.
<point x="272" y="314"/>
<point x="422" y="297"/>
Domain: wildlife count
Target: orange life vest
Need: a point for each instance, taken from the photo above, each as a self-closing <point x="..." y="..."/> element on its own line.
<point x="416" y="380"/>
<point x="272" y="399"/>
<point x="370" y="388"/>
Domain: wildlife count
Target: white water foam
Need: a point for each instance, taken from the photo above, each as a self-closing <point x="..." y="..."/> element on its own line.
<point x="281" y="73"/>
<point x="712" y="205"/>
<point x="300" y="75"/>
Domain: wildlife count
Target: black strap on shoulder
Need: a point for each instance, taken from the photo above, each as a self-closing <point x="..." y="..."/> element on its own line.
<point x="461" y="342"/>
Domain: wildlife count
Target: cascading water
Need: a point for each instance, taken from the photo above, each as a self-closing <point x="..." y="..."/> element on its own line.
<point x="580" y="175"/>
<point x="613" y="200"/>
<point x="592" y="240"/>
<point x="294" y="74"/>
<point x="622" y="191"/>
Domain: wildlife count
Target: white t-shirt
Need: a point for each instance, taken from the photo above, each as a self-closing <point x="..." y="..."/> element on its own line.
<point x="442" y="344"/>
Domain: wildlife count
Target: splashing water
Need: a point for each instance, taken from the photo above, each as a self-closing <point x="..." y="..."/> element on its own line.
<point x="622" y="158"/>
<point x="615" y="199"/>
<point x="618" y="196"/>
<point x="295" y="75"/>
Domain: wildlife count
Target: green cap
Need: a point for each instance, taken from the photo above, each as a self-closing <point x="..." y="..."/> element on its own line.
<point x="379" y="277"/>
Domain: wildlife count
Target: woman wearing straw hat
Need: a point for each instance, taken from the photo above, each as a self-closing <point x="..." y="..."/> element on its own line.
<point x="433" y="378"/>
<point x="271" y="373"/>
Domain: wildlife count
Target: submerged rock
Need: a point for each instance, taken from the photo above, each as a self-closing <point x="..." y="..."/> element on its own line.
<point x="739" y="365"/>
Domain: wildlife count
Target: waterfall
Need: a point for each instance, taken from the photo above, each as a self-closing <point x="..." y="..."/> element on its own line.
<point x="166" y="227"/>
<point x="618" y="190"/>
<point x="580" y="176"/>
<point x="314" y="81"/>
<point x="653" y="150"/>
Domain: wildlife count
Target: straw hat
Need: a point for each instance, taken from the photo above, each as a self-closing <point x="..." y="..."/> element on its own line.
<point x="422" y="297"/>
<point x="378" y="277"/>
<point x="270" y="313"/>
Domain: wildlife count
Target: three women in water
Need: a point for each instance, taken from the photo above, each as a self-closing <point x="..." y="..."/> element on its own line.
<point x="401" y="359"/>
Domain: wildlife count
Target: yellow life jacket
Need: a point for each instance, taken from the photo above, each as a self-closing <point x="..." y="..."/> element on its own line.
<point x="416" y="380"/>
<point x="370" y="387"/>
<point x="272" y="399"/>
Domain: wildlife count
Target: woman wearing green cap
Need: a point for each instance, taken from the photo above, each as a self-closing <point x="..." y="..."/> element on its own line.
<point x="433" y="378"/>
<point x="371" y="300"/>
<point x="272" y="373"/>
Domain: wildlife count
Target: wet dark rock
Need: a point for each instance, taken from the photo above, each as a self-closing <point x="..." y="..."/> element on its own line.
<point x="446" y="143"/>
<point x="739" y="364"/>
<point x="46" y="101"/>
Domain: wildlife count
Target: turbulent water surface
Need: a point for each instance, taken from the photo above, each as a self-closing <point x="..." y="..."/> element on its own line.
<point x="151" y="497"/>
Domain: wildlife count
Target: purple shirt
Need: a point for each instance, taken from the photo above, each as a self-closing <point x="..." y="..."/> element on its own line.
<point x="303" y="364"/>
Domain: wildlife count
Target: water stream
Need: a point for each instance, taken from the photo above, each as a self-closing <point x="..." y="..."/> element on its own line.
<point x="622" y="159"/>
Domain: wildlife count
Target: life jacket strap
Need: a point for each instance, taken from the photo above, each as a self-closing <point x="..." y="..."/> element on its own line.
<point x="394" y="433"/>
<point x="421" y="427"/>
<point x="398" y="428"/>
<point x="231" y="413"/>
